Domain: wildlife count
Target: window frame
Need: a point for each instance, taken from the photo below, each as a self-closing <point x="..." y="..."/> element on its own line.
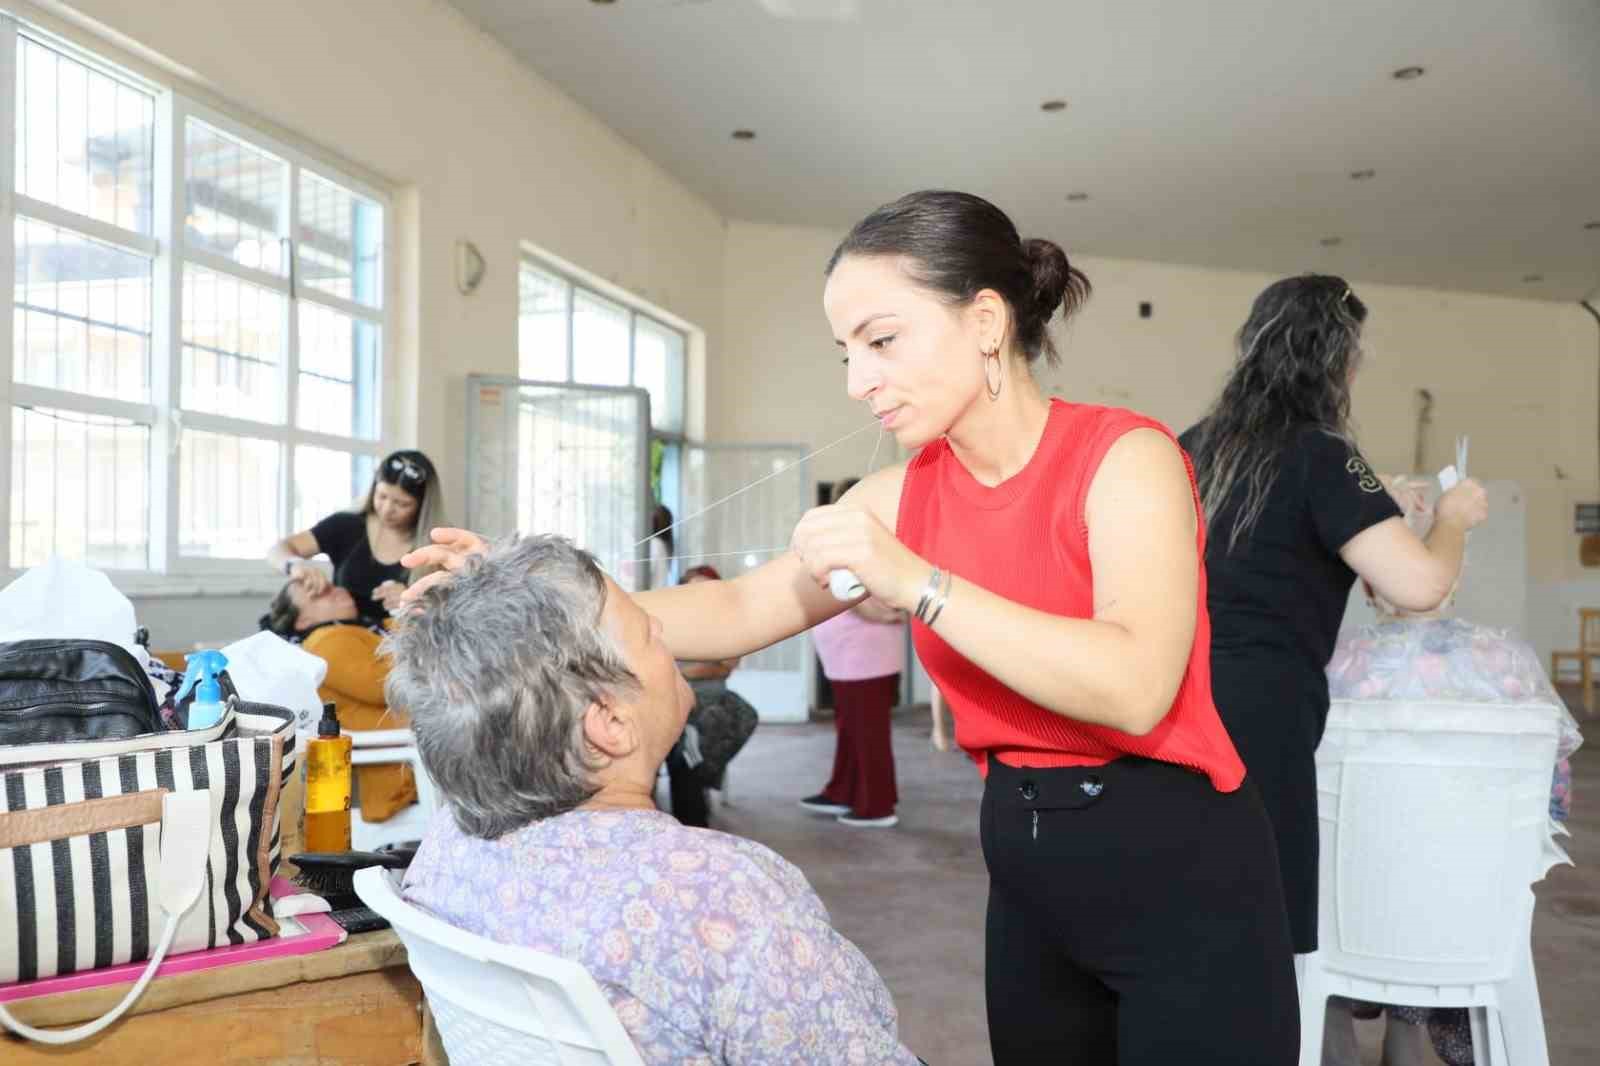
<point x="170" y="251"/>
<point x="672" y="439"/>
<point x="636" y="309"/>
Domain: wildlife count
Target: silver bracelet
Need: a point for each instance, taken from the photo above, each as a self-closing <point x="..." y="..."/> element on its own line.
<point x="944" y="596"/>
<point x="928" y="592"/>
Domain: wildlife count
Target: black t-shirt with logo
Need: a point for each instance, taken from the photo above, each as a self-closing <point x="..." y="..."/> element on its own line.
<point x="343" y="535"/>
<point x="1280" y="593"/>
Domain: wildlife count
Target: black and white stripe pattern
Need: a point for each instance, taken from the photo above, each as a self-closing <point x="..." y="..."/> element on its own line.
<point x="93" y="899"/>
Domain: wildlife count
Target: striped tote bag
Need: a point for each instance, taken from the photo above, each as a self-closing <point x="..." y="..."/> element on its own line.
<point x="81" y="844"/>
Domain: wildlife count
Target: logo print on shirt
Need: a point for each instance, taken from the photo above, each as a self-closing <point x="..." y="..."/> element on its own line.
<point x="1364" y="476"/>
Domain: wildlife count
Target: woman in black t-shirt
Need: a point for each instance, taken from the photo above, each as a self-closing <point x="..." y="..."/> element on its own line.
<point x="366" y="542"/>
<point x="1293" y="515"/>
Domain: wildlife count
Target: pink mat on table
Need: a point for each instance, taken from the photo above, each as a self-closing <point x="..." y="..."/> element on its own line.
<point x="321" y="932"/>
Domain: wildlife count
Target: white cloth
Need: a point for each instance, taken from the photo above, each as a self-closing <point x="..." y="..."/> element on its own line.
<point x="63" y="600"/>
<point x="265" y="668"/>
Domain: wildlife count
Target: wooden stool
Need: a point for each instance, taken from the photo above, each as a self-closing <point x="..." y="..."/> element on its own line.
<point x="1588" y="648"/>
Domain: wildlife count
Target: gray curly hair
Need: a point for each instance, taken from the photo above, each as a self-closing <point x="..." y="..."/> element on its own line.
<point x="496" y="669"/>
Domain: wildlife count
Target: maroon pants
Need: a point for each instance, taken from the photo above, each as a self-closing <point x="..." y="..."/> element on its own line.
<point x="863" y="758"/>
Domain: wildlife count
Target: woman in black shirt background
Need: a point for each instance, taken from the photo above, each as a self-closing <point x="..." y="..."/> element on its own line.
<point x="366" y="542"/>
<point x="1294" y="514"/>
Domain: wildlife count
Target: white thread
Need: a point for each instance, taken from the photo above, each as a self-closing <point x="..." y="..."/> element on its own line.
<point x="753" y="484"/>
<point x="706" y="555"/>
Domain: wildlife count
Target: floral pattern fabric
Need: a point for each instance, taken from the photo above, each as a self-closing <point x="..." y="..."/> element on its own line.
<point x="714" y="951"/>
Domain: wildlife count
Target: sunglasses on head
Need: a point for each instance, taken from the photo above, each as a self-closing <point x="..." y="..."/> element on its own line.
<point x="405" y="472"/>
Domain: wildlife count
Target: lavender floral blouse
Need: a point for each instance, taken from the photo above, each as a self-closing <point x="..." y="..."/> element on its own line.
<point x="713" y="950"/>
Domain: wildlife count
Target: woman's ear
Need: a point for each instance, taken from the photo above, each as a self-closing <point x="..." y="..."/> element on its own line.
<point x="608" y="730"/>
<point x="991" y="319"/>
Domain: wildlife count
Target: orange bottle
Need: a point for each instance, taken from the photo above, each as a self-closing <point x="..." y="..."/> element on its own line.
<point x="328" y="786"/>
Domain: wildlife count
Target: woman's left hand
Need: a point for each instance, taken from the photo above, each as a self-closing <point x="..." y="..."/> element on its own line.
<point x="847" y="537"/>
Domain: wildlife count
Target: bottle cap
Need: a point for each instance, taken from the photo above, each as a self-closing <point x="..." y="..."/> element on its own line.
<point x="329" y="726"/>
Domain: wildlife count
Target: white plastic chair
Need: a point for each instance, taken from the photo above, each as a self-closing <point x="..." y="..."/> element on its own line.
<point x="498" y="1005"/>
<point x="1434" y="826"/>
<point x="372" y="747"/>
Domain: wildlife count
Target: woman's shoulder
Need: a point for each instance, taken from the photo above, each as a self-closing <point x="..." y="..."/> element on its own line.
<point x="338" y="529"/>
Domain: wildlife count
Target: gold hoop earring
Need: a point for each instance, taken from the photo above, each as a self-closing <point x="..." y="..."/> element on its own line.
<point x="993" y="390"/>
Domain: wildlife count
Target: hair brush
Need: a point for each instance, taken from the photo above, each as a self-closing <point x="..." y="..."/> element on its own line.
<point x="332" y="874"/>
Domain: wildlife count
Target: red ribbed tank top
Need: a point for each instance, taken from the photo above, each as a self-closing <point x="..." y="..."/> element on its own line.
<point x="1026" y="540"/>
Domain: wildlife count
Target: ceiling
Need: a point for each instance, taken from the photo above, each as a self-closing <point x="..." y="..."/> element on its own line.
<point x="1215" y="133"/>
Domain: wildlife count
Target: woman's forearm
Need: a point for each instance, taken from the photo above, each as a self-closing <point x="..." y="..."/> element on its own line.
<point x="713" y="620"/>
<point x="1093" y="671"/>
<point x="1447" y="544"/>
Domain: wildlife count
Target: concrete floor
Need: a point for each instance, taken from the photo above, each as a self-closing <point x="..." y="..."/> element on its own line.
<point x="912" y="898"/>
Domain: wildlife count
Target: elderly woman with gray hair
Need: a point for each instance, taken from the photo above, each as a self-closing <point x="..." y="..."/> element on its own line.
<point x="544" y="702"/>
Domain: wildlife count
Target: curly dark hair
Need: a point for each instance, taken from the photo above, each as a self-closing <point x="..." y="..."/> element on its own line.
<point x="1297" y="352"/>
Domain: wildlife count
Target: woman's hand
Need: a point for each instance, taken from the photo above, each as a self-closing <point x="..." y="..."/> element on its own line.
<point x="310" y="577"/>
<point x="391" y="594"/>
<point x="450" y="550"/>
<point x="847" y="537"/>
<point x="1466" y="506"/>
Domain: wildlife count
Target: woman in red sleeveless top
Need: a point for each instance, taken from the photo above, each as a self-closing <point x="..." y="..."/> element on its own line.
<point x="1051" y="556"/>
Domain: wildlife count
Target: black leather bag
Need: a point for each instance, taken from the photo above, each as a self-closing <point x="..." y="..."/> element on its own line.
<point x="58" y="691"/>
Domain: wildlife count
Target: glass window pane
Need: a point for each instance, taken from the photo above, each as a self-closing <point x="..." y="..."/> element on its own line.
<point x="326" y="481"/>
<point x="234" y="198"/>
<point x="227" y="495"/>
<point x="81" y="314"/>
<point x="599" y="340"/>
<point x="340" y="241"/>
<point x="232" y="346"/>
<point x="658" y="368"/>
<point x="542" y="326"/>
<point x="79" y="489"/>
<point x="85" y="141"/>
<point x="338" y="373"/>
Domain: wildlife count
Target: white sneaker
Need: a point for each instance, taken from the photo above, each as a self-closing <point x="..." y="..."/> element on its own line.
<point x="819" y="805"/>
<point x="888" y="821"/>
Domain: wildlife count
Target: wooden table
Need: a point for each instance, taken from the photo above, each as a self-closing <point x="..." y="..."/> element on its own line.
<point x="353" y="1004"/>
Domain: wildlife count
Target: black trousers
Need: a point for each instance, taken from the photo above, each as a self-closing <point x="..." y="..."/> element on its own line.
<point x="687" y="790"/>
<point x="1135" y="918"/>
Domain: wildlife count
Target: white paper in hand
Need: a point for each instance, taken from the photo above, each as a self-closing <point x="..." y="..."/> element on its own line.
<point x="1451" y="476"/>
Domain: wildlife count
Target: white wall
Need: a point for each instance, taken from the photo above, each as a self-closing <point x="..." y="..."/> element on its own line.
<point x="1519" y="376"/>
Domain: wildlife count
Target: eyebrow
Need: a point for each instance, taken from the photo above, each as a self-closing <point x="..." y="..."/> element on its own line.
<point x="864" y="323"/>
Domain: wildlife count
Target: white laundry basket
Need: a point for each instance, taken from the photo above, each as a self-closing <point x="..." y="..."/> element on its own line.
<point x="1434" y="824"/>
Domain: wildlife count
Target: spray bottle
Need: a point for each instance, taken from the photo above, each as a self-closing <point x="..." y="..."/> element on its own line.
<point x="204" y="666"/>
<point x="328" y="786"/>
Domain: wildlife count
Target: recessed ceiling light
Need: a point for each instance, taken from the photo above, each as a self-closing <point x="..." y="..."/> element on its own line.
<point x="602" y="3"/>
<point x="1053" y="105"/>
<point x="1077" y="197"/>
<point x="744" y="135"/>
<point x="1531" y="278"/>
<point x="1409" y="73"/>
<point x="1362" y="175"/>
<point x="1331" y="242"/>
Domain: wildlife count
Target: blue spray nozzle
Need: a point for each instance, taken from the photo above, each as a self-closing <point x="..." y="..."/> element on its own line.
<point x="204" y="666"/>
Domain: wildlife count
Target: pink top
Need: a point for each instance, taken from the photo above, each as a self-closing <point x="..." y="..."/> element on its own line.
<point x="854" y="649"/>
